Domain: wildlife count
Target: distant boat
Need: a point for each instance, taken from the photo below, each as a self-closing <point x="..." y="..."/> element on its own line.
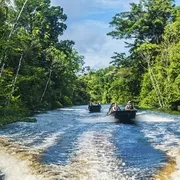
<point x="124" y="116"/>
<point x="94" y="107"/>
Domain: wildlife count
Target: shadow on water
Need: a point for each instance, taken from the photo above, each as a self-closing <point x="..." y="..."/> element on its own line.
<point x="59" y="153"/>
<point x="129" y="122"/>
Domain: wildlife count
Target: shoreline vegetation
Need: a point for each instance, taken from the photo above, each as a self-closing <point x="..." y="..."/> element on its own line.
<point x="11" y="115"/>
<point x="29" y="117"/>
<point x="44" y="71"/>
<point x="12" y="119"/>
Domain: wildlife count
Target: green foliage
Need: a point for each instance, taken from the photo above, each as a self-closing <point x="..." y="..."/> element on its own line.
<point x="38" y="71"/>
<point x="66" y="101"/>
<point x="80" y="95"/>
<point x="154" y="53"/>
<point x="56" y="105"/>
<point x="13" y="113"/>
<point x="111" y="84"/>
<point x="144" y="22"/>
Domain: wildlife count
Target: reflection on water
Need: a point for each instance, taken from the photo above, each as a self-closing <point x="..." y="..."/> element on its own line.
<point x="77" y="144"/>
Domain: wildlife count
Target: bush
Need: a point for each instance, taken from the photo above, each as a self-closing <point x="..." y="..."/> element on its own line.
<point x="56" y="104"/>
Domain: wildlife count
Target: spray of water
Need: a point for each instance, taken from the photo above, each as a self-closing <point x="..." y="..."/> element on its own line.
<point x="19" y="163"/>
<point x="93" y="159"/>
<point x="164" y="139"/>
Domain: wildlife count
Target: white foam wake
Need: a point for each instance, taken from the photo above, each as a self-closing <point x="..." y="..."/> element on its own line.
<point x="47" y="142"/>
<point x="169" y="143"/>
<point x="15" y="168"/>
<point x="153" y="118"/>
<point x="71" y="109"/>
<point x="94" y="159"/>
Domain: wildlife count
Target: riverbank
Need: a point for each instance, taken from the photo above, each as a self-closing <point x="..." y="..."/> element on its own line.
<point x="11" y="114"/>
<point x="12" y="119"/>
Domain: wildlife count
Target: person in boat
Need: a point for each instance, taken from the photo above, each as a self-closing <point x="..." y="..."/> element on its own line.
<point x="90" y="103"/>
<point x="116" y="107"/>
<point x="113" y="107"/>
<point x="94" y="104"/>
<point x="109" y="111"/>
<point x="129" y="106"/>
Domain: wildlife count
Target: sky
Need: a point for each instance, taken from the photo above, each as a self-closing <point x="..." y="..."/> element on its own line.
<point x="88" y="24"/>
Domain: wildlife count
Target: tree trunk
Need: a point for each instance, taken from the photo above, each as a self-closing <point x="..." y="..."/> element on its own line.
<point x="155" y="83"/>
<point x="15" y="79"/>
<point x="2" y="68"/>
<point x="47" y="82"/>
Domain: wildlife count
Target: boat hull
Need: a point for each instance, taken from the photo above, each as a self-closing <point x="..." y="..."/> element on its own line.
<point x="94" y="108"/>
<point x="124" y="116"/>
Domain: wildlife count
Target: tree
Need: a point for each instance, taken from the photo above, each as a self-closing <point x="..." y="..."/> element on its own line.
<point x="145" y="21"/>
<point x="145" y="25"/>
<point x="39" y="70"/>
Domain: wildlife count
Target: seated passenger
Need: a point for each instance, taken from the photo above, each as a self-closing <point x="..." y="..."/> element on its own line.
<point x="129" y="106"/>
<point x="109" y="111"/>
<point x="113" y="107"/>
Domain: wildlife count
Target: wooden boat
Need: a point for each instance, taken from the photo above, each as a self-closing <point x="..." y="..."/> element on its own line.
<point x="94" y="108"/>
<point x="124" y="116"/>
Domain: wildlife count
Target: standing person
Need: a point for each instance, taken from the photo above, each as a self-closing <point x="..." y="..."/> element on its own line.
<point x="129" y="106"/>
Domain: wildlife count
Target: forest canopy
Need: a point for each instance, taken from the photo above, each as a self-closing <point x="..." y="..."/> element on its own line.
<point x="150" y="74"/>
<point x="38" y="71"/>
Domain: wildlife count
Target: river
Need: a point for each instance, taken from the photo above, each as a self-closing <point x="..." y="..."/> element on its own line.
<point x="71" y="143"/>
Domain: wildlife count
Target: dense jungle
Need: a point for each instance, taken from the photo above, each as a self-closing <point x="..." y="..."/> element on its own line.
<point x="39" y="71"/>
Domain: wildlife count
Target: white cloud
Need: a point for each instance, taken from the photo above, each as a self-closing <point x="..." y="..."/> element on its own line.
<point x="114" y="4"/>
<point x="92" y="42"/>
<point x="73" y="8"/>
<point x="78" y="7"/>
<point x="89" y="34"/>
